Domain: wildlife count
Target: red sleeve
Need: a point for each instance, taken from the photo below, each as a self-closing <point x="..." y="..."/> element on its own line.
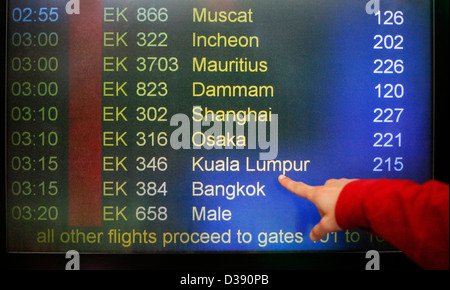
<point x="414" y="218"/>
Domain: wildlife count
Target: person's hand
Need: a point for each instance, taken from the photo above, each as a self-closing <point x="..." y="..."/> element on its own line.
<point x="324" y="198"/>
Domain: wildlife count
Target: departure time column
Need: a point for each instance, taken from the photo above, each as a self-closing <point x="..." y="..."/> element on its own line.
<point x="37" y="123"/>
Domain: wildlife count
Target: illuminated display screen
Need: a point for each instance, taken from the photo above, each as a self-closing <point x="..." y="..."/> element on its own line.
<point x="154" y="126"/>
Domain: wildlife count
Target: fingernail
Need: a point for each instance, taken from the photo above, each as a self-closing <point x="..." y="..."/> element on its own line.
<point x="281" y="177"/>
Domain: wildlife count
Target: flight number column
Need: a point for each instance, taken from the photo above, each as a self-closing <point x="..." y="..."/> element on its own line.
<point x="137" y="67"/>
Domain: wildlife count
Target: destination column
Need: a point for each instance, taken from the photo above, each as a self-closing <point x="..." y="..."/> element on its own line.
<point x="232" y="94"/>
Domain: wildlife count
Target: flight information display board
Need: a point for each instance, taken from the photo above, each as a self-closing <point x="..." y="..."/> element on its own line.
<point x="153" y="126"/>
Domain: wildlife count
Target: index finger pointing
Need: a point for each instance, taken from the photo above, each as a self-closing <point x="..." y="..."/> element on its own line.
<point x="299" y="188"/>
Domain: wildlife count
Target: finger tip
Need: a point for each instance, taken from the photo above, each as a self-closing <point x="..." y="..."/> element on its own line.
<point x="313" y="237"/>
<point x="281" y="177"/>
